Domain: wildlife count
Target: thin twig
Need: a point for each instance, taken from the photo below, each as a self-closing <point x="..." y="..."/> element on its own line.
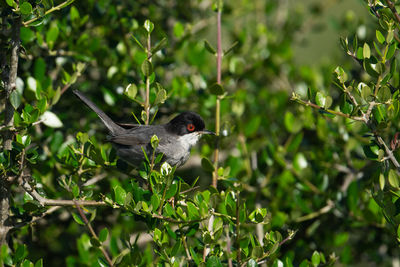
<point x="60" y="6"/>
<point x="388" y="152"/>
<point x="393" y="9"/>
<point x="186" y="248"/>
<point x="37" y="218"/>
<point x="330" y="205"/>
<point x="147" y="102"/>
<point x="93" y="233"/>
<point x="338" y="113"/>
<point x="95" y="179"/>
<point x="190" y="189"/>
<point x="238" y="252"/>
<point x="218" y="101"/>
<point x="367" y="115"/>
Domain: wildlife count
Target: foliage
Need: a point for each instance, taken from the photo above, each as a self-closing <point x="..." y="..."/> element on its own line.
<point x="295" y="187"/>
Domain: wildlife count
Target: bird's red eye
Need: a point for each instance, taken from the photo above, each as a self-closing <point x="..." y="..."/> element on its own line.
<point x="190" y="127"/>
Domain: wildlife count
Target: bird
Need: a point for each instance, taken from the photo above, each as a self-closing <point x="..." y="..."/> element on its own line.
<point x="176" y="138"/>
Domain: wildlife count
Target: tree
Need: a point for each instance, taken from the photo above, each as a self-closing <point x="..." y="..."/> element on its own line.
<point x="279" y="183"/>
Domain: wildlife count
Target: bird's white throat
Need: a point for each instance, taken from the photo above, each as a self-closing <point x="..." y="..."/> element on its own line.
<point x="189" y="140"/>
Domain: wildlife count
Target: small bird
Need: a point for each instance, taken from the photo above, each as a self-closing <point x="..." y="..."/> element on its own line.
<point x="176" y="138"/>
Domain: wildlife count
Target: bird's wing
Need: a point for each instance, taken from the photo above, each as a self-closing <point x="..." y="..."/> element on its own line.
<point x="137" y="136"/>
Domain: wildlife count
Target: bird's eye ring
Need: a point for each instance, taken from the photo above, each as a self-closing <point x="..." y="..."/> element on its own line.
<point x="190" y="127"/>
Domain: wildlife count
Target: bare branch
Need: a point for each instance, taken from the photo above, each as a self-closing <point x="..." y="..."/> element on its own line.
<point x="388" y="152"/>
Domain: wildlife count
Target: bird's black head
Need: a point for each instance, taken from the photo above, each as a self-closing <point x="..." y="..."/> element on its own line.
<point x="186" y="123"/>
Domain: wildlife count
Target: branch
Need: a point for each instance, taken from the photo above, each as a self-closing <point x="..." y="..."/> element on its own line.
<point x="10" y="84"/>
<point x="37" y="218"/>
<point x="157" y="216"/>
<point x="338" y="113"/>
<point x="330" y="205"/>
<point x="56" y="202"/>
<point x="218" y="101"/>
<point x="59" y="7"/>
<point x="393" y="9"/>
<point x="388" y="152"/>
<point x="93" y="233"/>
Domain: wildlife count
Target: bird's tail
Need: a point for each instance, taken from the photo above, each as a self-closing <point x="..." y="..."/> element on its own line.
<point x="108" y="122"/>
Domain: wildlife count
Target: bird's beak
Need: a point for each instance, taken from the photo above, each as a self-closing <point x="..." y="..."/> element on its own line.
<point x="206" y="132"/>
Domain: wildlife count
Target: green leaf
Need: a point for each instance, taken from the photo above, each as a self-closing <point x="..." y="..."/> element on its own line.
<point x="398" y="232"/>
<point x="11" y="3"/>
<point x="315" y="259"/>
<point x="25" y="8"/>
<point x="377" y="49"/>
<point x="155" y="201"/>
<point x="193" y="212"/>
<point x="369" y="69"/>
<point x="160" y="97"/>
<point x="138" y="42"/>
<point x="75" y="191"/>
<point x="27" y="263"/>
<point x="39" y="263"/>
<point x="149" y="26"/>
<point x="366" y="92"/>
<point x="344" y="43"/>
<point x="103" y="235"/>
<point x="252" y="126"/>
<point x="160" y="45"/>
<point x="371" y="151"/>
<point x="154" y="141"/>
<point x="51" y="36"/>
<point x="20" y="253"/>
<point x="119" y="194"/>
<point x="131" y="91"/>
<point x="355" y="42"/>
<point x="213" y="261"/>
<point x="179" y="29"/>
<point x="209" y="47"/>
<point x="147" y="68"/>
<point x="384" y="94"/>
<point x="207" y="165"/>
<point x="27" y="35"/>
<point x="382" y="181"/>
<point x="391" y="50"/>
<point x="393" y="66"/>
<point x="380" y="37"/>
<point x="300" y="162"/>
<point x="390" y="36"/>
<point x="341" y="74"/>
<point x="394" y="179"/>
<point x="345" y="106"/>
<point x="227" y="51"/>
<point x="78" y="219"/>
<point x="172" y="190"/>
<point x="292" y="124"/>
<point x="74" y="13"/>
<point x="366" y="51"/>
<point x="15" y="99"/>
<point x="51" y="120"/>
<point x="216" y="89"/>
<point x="320" y="99"/>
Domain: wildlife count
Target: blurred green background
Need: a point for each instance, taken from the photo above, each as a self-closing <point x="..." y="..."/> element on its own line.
<point x="308" y="171"/>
